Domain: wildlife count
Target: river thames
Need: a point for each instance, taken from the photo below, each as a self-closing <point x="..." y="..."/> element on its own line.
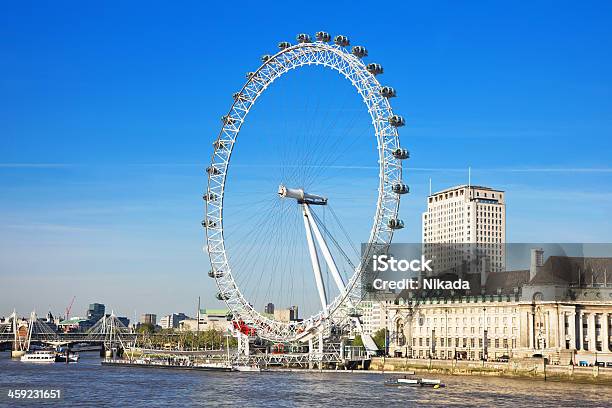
<point x="89" y="384"/>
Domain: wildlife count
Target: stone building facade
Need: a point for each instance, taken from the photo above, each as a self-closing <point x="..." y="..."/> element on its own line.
<point x="560" y="309"/>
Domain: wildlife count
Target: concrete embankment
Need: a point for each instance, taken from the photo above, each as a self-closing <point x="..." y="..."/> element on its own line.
<point x="534" y="368"/>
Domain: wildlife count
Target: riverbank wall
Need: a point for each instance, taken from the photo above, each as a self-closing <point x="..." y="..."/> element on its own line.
<point x="534" y="368"/>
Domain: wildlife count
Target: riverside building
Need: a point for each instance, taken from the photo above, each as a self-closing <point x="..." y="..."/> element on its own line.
<point x="465" y="225"/>
<point x="560" y="308"/>
<point x="172" y="320"/>
<point x="374" y="316"/>
<point x="207" y="319"/>
<point x="148" y="318"/>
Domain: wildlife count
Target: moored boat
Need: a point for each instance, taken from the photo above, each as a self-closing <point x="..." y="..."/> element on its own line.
<point x="39" y="356"/>
<point x="408" y="381"/>
<point x="414" y="382"/>
<point x="72" y="358"/>
<point x="431" y="383"/>
<point x="81" y="347"/>
<point x="246" y="368"/>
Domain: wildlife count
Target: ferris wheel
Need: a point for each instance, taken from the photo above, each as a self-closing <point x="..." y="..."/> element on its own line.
<point x="338" y="298"/>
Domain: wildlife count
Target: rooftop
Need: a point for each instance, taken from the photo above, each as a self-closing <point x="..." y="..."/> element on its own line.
<point x="214" y="311"/>
<point x="73" y="320"/>
<point x="574" y="271"/>
<point x="471" y="187"/>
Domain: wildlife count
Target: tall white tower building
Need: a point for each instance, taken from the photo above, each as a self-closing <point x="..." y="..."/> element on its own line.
<point x="466" y="215"/>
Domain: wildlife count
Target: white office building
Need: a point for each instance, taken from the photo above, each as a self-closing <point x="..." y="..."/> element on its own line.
<point x="374" y="316"/>
<point x="463" y="216"/>
<point x="172" y="321"/>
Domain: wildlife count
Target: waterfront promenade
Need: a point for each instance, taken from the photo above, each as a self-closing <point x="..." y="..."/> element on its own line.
<point x="534" y="368"/>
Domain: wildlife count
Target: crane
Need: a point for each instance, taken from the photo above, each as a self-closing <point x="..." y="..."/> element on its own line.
<point x="69" y="308"/>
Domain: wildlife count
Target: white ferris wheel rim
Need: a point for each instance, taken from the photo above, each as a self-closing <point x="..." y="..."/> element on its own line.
<point x="352" y="68"/>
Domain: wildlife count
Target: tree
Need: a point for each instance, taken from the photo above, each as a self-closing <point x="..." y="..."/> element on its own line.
<point x="357" y="342"/>
<point x="146" y="328"/>
<point x="380" y="338"/>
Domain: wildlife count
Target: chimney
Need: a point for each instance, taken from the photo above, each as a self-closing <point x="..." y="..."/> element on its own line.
<point x="484" y="270"/>
<point x="537" y="260"/>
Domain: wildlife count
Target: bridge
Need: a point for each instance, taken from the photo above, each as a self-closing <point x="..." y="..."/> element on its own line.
<point x="109" y="332"/>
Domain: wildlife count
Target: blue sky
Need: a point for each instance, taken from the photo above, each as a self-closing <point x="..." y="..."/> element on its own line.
<point x="108" y="113"/>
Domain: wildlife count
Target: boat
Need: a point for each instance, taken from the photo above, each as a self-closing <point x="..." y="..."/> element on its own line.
<point x="72" y="358"/>
<point x="414" y="382"/>
<point x="80" y="347"/>
<point x="214" y="366"/>
<point x="403" y="381"/>
<point x="408" y="381"/>
<point x="246" y="368"/>
<point x="152" y="363"/>
<point x="431" y="383"/>
<point x="39" y="356"/>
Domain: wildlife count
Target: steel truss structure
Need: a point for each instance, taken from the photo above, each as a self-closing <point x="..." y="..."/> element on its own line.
<point x="348" y="63"/>
<point x="108" y="331"/>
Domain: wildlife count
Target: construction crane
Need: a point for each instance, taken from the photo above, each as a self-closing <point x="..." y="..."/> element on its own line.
<point x="69" y="308"/>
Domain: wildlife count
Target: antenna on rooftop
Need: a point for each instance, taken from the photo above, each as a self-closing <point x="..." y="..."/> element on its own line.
<point x="469" y="177"/>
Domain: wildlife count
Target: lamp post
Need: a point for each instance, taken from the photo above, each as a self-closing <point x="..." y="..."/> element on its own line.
<point x="446" y="329"/>
<point x="484" y="333"/>
<point x="386" y="330"/>
<point x="432" y="347"/>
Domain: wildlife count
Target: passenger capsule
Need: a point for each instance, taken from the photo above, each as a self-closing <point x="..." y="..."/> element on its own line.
<point x="213" y="170"/>
<point x="400" y="153"/>
<point x="209" y="197"/>
<point x="219" y="144"/>
<point x="388" y="92"/>
<point x="284" y="45"/>
<point x="209" y="223"/>
<point x="342" y="41"/>
<point x="359" y="51"/>
<point x="215" y="274"/>
<point x="356" y="313"/>
<point x="238" y="96"/>
<point x="229" y="317"/>
<point x="395" y="224"/>
<point x="400" y="188"/>
<point x="222" y="296"/>
<point x="303" y="38"/>
<point x="323" y="36"/>
<point x="375" y="69"/>
<point x="397" y="121"/>
<point x="227" y="120"/>
<point x="265" y="58"/>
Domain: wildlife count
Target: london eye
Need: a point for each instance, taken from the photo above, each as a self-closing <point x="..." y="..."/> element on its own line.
<point x="292" y="231"/>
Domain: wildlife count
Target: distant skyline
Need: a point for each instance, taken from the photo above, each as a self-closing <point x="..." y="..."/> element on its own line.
<point x="108" y="115"/>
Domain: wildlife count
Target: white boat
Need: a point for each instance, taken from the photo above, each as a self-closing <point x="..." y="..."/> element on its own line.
<point x="244" y="368"/>
<point x="80" y="347"/>
<point x="39" y="356"/>
<point x="414" y="382"/>
<point x="213" y="366"/>
<point x="72" y="358"/>
<point x="409" y="381"/>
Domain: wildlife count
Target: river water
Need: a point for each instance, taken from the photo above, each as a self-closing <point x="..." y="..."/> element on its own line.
<point x="90" y="384"/>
